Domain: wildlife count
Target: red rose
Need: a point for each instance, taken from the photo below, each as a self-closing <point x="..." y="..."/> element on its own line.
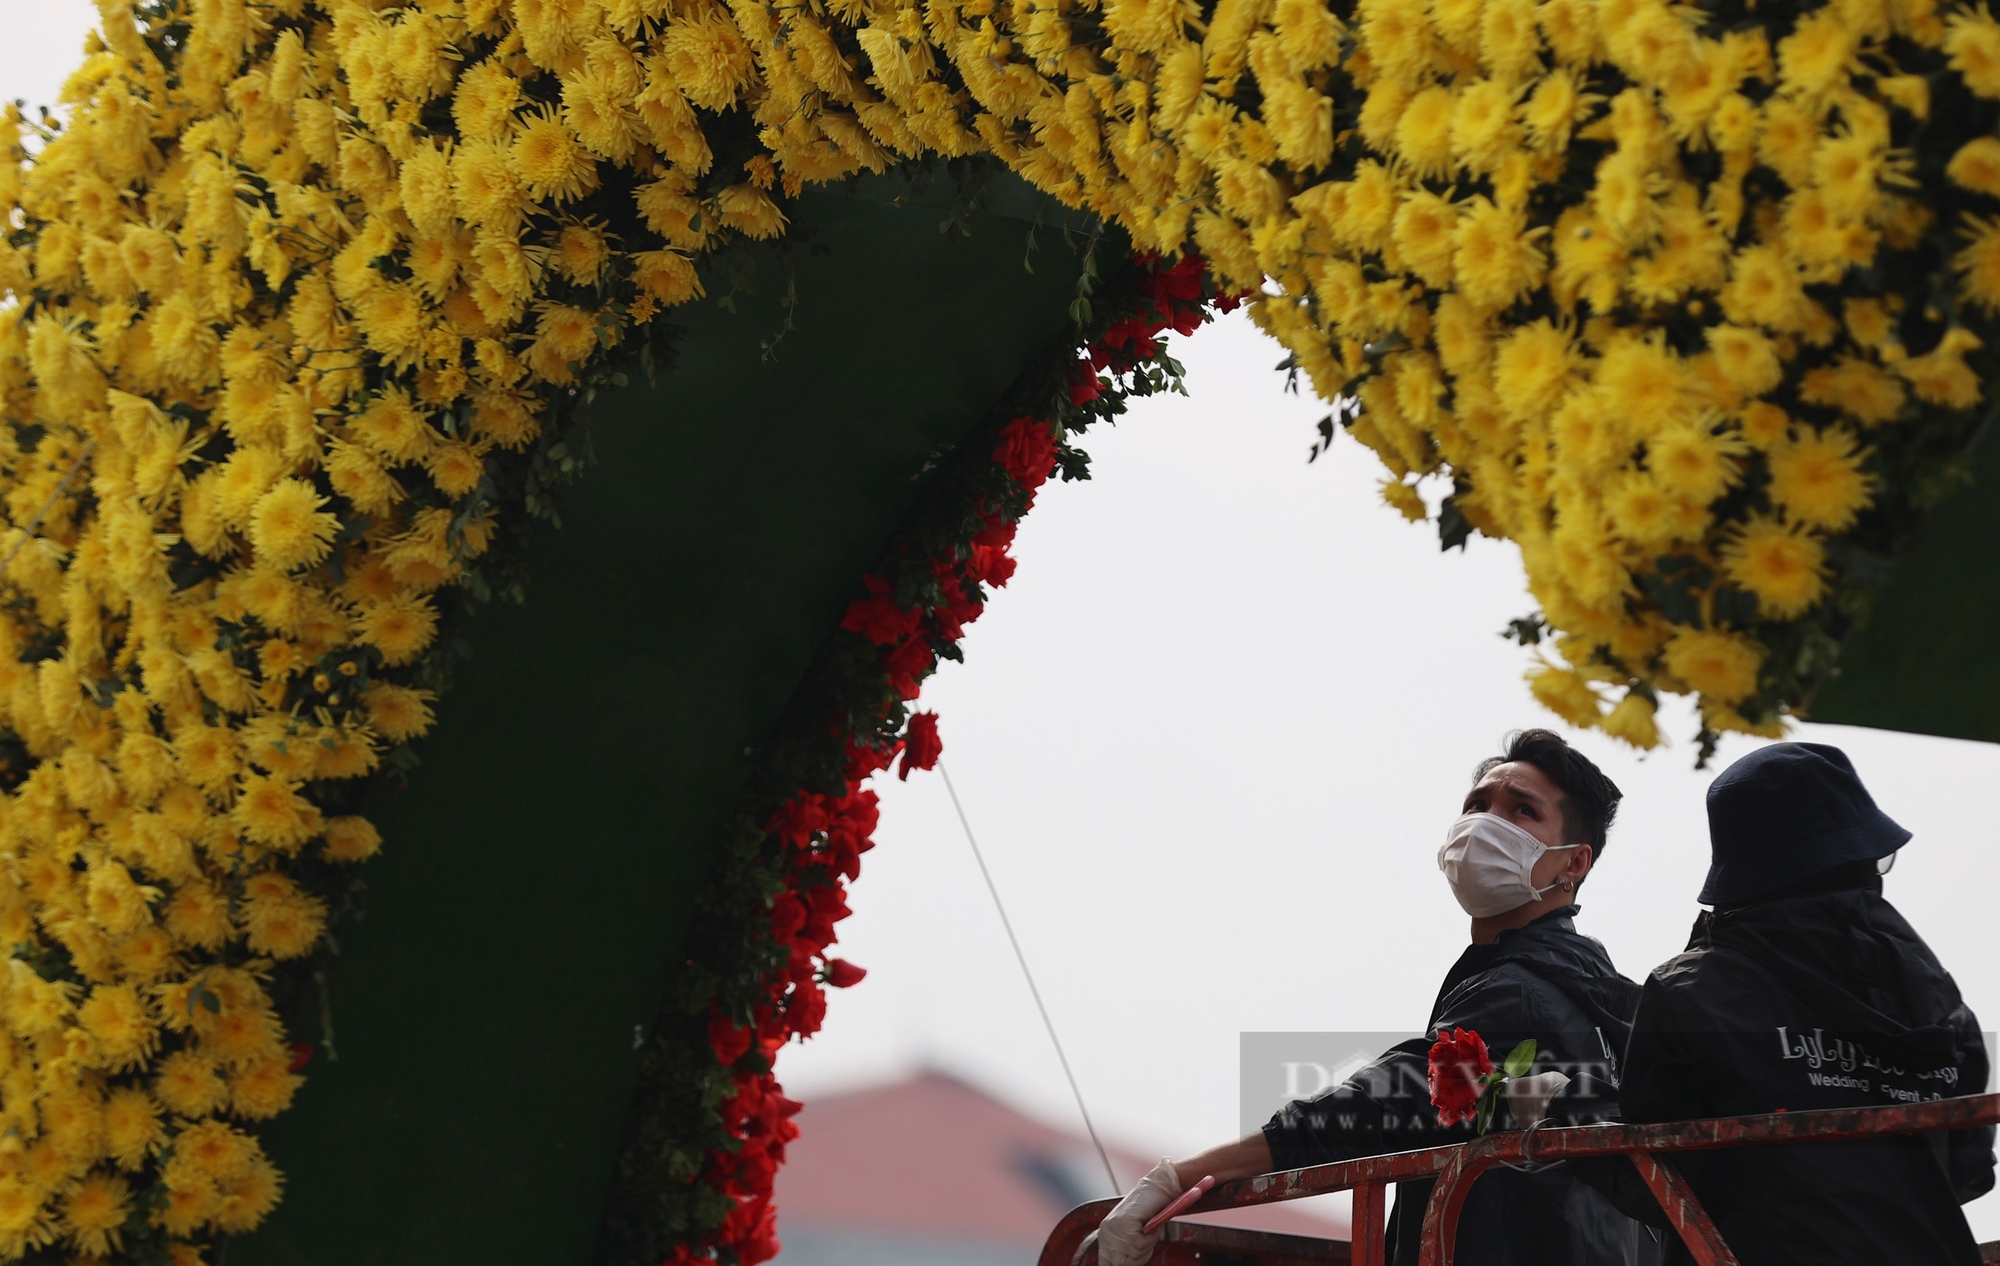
<point x="1027" y="451"/>
<point x="990" y="565"/>
<point x="908" y="664"/>
<point x="1458" y="1062"/>
<point x="921" y="745"/>
<point x="729" y="1038"/>
<point x="958" y="609"/>
<point x="998" y="533"/>
<point x="798" y="820"/>
<point x="806" y="1009"/>
<point x="826" y="905"/>
<point x="1182" y="281"/>
<point x="751" y="1229"/>
<point x="788" y="915"/>
<point x="842" y="974"/>
<point x="1085" y="387"/>
<point x="877" y="617"/>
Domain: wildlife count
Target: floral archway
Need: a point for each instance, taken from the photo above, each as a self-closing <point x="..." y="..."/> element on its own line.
<point x="312" y="302"/>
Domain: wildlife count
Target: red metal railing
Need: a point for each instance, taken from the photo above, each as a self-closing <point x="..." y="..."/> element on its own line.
<point x="1458" y="1166"/>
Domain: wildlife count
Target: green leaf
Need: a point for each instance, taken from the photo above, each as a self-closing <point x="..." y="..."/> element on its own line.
<point x="1520" y="1059"/>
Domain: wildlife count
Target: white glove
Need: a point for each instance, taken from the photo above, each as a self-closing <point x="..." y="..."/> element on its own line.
<point x="1119" y="1240"/>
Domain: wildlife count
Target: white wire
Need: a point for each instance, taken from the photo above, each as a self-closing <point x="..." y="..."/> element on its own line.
<point x="1022" y="959"/>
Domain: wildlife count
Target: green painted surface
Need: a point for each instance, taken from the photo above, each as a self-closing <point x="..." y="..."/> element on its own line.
<point x="1928" y="660"/>
<point x="540" y="866"/>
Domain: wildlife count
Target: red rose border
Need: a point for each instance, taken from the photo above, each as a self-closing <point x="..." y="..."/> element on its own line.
<point x="710" y="1121"/>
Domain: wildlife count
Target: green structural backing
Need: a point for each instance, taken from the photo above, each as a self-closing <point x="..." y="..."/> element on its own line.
<point x="1928" y="660"/>
<point x="540" y="865"/>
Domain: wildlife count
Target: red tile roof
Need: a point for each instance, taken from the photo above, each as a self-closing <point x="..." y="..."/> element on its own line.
<point x="934" y="1156"/>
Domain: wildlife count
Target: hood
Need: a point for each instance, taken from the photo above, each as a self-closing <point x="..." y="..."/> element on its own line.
<point x="1554" y="950"/>
<point x="1852" y="957"/>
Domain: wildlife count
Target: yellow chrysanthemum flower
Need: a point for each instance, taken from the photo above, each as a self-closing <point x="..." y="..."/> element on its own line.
<point x="1819" y="482"/>
<point x="1642" y="513"/>
<point x="281" y="921"/>
<point x="1972" y="40"/>
<point x="115" y="1015"/>
<point x="190" y="1085"/>
<point x="1719" y="665"/>
<point x="289" y="527"/>
<point x="1941" y="376"/>
<point x="708" y="58"/>
<point x="1497" y="256"/>
<point x="1765" y="425"/>
<point x="263" y="1089"/>
<point x="1553" y="110"/>
<point x="1764" y="289"/>
<point x="1399" y="39"/>
<point x="1979" y="262"/>
<point x="551" y="164"/>
<point x="350" y="839"/>
<point x="1691" y="461"/>
<point x="1820" y="49"/>
<point x="1566" y="693"/>
<point x="1405" y="499"/>
<point x="93" y="1215"/>
<point x="1423" y="132"/>
<point x="1858" y="388"/>
<point x="1483" y="132"/>
<point x="1422" y="234"/>
<point x="1746" y="357"/>
<point x="1632" y="722"/>
<point x="1780" y="564"/>
<point x="270" y="811"/>
<point x="132" y="1128"/>
<point x="484" y="103"/>
<point x="401" y="628"/>
<point x="1976" y="166"/>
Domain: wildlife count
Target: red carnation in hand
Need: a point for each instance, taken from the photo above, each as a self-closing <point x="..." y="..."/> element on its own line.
<point x="921" y="745"/>
<point x="842" y="974"/>
<point x="1459" y="1064"/>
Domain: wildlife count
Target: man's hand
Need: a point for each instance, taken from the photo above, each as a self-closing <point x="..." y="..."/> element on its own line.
<point x="1119" y="1240"/>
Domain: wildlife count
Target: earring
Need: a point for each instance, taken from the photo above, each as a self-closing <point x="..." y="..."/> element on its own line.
<point x="1567" y="886"/>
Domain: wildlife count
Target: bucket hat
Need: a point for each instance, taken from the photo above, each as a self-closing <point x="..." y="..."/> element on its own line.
<point x="1785" y="812"/>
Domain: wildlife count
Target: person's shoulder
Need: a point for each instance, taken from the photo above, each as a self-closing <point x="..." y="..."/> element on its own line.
<point x="1693" y="972"/>
<point x="1489" y="994"/>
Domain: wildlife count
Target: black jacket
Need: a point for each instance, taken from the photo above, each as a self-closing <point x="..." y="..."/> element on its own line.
<point x="1545" y="981"/>
<point x="1822" y="1000"/>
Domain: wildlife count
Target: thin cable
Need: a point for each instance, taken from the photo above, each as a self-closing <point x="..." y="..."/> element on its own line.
<point x="43" y="513"/>
<point x="1022" y="959"/>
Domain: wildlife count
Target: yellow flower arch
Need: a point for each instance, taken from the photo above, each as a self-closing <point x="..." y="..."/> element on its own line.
<point x="1649" y="284"/>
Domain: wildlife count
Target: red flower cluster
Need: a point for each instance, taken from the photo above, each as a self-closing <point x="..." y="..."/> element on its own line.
<point x="921" y="745"/>
<point x="823" y="836"/>
<point x="1177" y="305"/>
<point x="1459" y="1062"/>
<point x="759" y="1115"/>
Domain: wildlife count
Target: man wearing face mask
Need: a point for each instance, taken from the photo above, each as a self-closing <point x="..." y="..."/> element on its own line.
<point x="1804" y="988"/>
<point x="1530" y="831"/>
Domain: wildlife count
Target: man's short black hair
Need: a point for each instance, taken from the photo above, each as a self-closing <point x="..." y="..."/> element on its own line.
<point x="1590" y="800"/>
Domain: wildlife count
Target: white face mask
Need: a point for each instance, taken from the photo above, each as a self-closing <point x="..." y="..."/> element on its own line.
<point x="1489" y="863"/>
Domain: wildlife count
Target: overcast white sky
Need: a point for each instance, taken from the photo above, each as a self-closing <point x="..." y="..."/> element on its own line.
<point x="1210" y="737"/>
